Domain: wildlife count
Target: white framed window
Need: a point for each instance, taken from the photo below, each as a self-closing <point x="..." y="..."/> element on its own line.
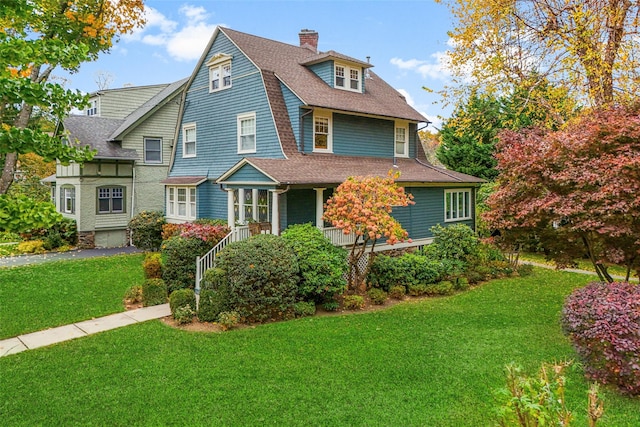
<point x="247" y="133"/>
<point x="68" y="199"/>
<point x="220" y="76"/>
<point x="255" y="204"/>
<point x="322" y="134"/>
<point x="153" y="150"/>
<point x="110" y="199"/>
<point x="347" y="78"/>
<point x="181" y="203"/>
<point x="189" y="140"/>
<point x="401" y="141"/>
<point x="457" y="204"/>
<point x="92" y="110"/>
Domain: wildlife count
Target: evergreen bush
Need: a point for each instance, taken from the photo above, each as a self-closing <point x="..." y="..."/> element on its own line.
<point x="322" y="265"/>
<point x="212" y="303"/>
<point x="146" y="230"/>
<point x="154" y="292"/>
<point x="261" y="277"/>
<point x="182" y="298"/>
<point x="180" y="253"/>
<point x="152" y="265"/>
<point x="377" y="296"/>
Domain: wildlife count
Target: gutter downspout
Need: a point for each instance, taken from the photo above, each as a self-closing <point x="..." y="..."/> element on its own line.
<point x="133" y="198"/>
<point x="302" y="129"/>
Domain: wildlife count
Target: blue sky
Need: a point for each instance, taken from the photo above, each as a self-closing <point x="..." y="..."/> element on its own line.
<point x="406" y="40"/>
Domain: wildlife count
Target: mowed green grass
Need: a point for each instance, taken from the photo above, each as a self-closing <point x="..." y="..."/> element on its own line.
<point x="434" y="362"/>
<point x="52" y="294"/>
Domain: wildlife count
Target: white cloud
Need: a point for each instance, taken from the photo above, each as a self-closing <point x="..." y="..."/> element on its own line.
<point x="436" y="68"/>
<point x="190" y="41"/>
<point x="184" y="40"/>
<point x="407" y="96"/>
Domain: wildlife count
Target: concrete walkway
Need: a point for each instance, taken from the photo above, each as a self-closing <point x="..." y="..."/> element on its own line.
<point x="81" y="329"/>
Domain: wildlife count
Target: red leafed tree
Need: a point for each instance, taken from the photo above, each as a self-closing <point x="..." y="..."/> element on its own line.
<point x="577" y="189"/>
<point x="362" y="206"/>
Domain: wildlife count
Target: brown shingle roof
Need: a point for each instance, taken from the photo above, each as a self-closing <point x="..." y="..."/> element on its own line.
<point x="285" y="60"/>
<point x="184" y="180"/>
<point x="331" y="169"/>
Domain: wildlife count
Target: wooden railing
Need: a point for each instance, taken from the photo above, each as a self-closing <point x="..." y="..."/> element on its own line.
<point x="208" y="260"/>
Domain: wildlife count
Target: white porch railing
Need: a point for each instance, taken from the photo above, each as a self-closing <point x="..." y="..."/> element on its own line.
<point x="337" y="237"/>
<point x="207" y="261"/>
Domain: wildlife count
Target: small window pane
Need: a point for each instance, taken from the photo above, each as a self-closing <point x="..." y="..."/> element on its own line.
<point x="152" y="150"/>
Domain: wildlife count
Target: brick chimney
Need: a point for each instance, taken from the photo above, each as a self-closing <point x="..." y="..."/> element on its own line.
<point x="309" y="39"/>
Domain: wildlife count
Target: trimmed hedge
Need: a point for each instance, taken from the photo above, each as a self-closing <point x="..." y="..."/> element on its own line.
<point x="407" y="270"/>
<point x="146" y="230"/>
<point x="182" y="298"/>
<point x="154" y="292"/>
<point x="179" y="253"/>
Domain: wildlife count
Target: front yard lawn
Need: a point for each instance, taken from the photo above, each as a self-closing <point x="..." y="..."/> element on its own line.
<point x="434" y="362"/>
<point x="58" y="293"/>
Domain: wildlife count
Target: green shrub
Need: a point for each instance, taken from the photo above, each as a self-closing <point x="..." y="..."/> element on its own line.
<point x="304" y="308"/>
<point x="322" y="265"/>
<point x="152" y="265"/>
<point x="146" y="230"/>
<point x="212" y="303"/>
<point x="9" y="237"/>
<point x="331" y="305"/>
<point x="377" y="296"/>
<point x="133" y="295"/>
<point x="183" y="315"/>
<point x="397" y="292"/>
<point x="228" y="319"/>
<point x="353" y="302"/>
<point x="214" y="279"/>
<point x="418" y="290"/>
<point x="406" y="270"/>
<point x="261" y="277"/>
<point x="442" y="288"/>
<point x="179" y="253"/>
<point x="210" y="221"/>
<point x="460" y="284"/>
<point x="53" y="240"/>
<point x="21" y="214"/>
<point x="68" y="230"/>
<point x="182" y="298"/>
<point x="154" y="292"/>
<point x="525" y="270"/>
<point x="455" y="242"/>
<point x="31" y="247"/>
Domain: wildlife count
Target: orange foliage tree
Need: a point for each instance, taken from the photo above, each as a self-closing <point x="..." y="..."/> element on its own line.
<point x="37" y="37"/>
<point x="362" y="206"/>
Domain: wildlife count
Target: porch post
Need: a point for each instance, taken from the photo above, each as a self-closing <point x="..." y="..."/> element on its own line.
<point x="254" y="209"/>
<point x="319" y="207"/>
<point x="231" y="220"/>
<point x="275" y="212"/>
<point x="241" y="217"/>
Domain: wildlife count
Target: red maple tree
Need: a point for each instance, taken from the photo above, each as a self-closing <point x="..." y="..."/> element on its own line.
<point x="576" y="189"/>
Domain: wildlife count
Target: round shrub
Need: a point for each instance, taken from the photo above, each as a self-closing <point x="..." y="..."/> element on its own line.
<point x="182" y="298"/>
<point x="441" y="288"/>
<point x="228" y="319"/>
<point x="183" y="315"/>
<point x="418" y="290"/>
<point x="152" y="265"/>
<point x="397" y="292"/>
<point x="304" y="308"/>
<point x="406" y="270"/>
<point x="377" y="296"/>
<point x="602" y="321"/>
<point x="322" y="265"/>
<point x="353" y="302"/>
<point x="133" y="295"/>
<point x="261" y="276"/>
<point x="154" y="292"/>
<point x="212" y="303"/>
<point x="179" y="253"/>
<point x="146" y="230"/>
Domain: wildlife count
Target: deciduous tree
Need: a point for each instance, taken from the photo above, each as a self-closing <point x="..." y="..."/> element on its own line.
<point x="589" y="47"/>
<point x="362" y="206"/>
<point x="577" y="189"/>
<point x="36" y="38"/>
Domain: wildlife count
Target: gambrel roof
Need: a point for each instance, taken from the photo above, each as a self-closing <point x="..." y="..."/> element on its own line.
<point x="288" y="63"/>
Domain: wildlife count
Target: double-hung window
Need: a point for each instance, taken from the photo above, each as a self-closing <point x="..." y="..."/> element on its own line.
<point x="68" y="199"/>
<point x="457" y="205"/>
<point x="401" y="141"/>
<point x="219" y="73"/>
<point x="153" y="150"/>
<point x="111" y="199"/>
<point x="189" y="140"/>
<point x="347" y="78"/>
<point x="181" y="202"/>
<point x="322" y="134"/>
<point x="247" y="133"/>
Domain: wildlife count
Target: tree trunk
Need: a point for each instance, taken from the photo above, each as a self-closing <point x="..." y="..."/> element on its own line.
<point x="8" y="169"/>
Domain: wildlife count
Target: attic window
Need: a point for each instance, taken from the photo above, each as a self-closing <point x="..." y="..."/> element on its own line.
<point x="219" y="72"/>
<point x="347" y="78"/>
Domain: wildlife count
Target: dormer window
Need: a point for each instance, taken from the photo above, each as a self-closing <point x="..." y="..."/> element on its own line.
<point x="348" y="78"/>
<point x="219" y="72"/>
<point x="93" y="108"/>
